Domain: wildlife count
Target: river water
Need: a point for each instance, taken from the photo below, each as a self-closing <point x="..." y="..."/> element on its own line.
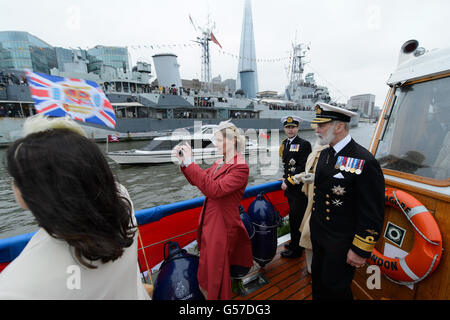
<point x="153" y="185"/>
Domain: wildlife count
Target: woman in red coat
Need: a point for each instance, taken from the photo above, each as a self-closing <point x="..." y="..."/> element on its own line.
<point x="221" y="236"/>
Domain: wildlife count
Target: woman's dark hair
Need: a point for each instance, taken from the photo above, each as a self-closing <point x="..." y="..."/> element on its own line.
<point x="67" y="184"/>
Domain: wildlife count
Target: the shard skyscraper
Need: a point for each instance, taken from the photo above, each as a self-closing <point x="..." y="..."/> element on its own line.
<point x="247" y="77"/>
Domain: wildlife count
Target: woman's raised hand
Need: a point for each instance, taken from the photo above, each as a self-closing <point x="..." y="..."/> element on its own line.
<point x="183" y="152"/>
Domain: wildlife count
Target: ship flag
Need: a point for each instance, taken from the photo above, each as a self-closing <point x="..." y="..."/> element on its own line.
<point x="113" y="138"/>
<point x="82" y="100"/>
<point x="213" y="39"/>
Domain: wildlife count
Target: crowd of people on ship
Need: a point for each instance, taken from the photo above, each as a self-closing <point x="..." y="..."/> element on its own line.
<point x="9" y="111"/>
<point x="242" y="115"/>
<point x="12" y="78"/>
<point x="289" y="107"/>
<point x="16" y="110"/>
<point x="204" y="102"/>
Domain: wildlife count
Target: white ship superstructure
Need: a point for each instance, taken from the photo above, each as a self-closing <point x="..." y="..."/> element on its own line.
<point x="304" y="91"/>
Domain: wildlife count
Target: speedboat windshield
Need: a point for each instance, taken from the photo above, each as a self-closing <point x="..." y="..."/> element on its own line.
<point x="164" y="145"/>
<point x="159" y="145"/>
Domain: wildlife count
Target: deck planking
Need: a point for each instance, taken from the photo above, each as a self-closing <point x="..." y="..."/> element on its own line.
<point x="288" y="280"/>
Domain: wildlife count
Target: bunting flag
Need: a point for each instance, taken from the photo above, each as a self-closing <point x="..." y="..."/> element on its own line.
<point x="213" y="39"/>
<point x="182" y="46"/>
<point x="82" y="100"/>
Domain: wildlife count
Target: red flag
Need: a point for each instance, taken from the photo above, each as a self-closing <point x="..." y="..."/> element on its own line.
<point x="113" y="138"/>
<point x="213" y="39"/>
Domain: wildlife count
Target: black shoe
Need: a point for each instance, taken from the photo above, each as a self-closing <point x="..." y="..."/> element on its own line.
<point x="292" y="254"/>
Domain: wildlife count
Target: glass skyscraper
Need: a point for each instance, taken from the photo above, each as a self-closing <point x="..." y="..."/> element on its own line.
<point x="20" y="50"/>
<point x="63" y="56"/>
<point x="116" y="57"/>
<point x="247" y="69"/>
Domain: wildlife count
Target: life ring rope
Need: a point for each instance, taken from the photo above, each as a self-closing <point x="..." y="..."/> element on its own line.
<point x="413" y="212"/>
<point x="423" y="259"/>
<point x="411" y="274"/>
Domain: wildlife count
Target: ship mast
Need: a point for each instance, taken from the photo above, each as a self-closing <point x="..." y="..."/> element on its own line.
<point x="297" y="68"/>
<point x="297" y="63"/>
<point x="203" y="39"/>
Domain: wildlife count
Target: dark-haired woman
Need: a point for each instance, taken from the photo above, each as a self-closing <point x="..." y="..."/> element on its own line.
<point x="86" y="246"/>
<point x="221" y="235"/>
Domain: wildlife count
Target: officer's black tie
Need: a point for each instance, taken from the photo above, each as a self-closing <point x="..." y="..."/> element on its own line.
<point x="331" y="153"/>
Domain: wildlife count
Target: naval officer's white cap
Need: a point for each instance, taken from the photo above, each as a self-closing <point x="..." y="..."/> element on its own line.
<point x="291" y="121"/>
<point x="326" y="113"/>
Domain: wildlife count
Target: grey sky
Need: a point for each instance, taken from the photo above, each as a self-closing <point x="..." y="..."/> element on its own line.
<point x="354" y="43"/>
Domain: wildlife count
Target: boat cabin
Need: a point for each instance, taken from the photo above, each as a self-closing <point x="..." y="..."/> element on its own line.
<point x="412" y="144"/>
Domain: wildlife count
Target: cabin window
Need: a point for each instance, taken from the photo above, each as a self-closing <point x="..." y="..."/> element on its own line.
<point x="416" y="138"/>
<point x="201" y="144"/>
<point x="198" y="143"/>
<point x="208" y="131"/>
<point x="160" y="145"/>
<point x="143" y="112"/>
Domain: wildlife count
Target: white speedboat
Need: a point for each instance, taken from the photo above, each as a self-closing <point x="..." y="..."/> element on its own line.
<point x="160" y="150"/>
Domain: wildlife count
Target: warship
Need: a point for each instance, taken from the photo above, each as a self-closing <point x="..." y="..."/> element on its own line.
<point x="144" y="107"/>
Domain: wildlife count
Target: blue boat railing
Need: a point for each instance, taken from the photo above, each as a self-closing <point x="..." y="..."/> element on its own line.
<point x="11" y="247"/>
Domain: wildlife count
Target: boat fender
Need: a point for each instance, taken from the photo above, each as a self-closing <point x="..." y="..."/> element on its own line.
<point x="247" y="222"/>
<point x="426" y="253"/>
<point x="177" y="277"/>
<point x="265" y="220"/>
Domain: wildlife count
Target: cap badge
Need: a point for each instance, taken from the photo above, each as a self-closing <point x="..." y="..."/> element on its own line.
<point x="318" y="110"/>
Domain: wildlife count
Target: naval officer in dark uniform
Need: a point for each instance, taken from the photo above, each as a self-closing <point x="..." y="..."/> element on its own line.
<point x="348" y="206"/>
<point x="294" y="152"/>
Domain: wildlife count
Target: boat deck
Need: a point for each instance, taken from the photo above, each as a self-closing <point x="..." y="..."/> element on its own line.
<point x="288" y="280"/>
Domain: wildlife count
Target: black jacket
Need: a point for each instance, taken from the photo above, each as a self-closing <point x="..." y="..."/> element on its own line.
<point x="351" y="206"/>
<point x="294" y="156"/>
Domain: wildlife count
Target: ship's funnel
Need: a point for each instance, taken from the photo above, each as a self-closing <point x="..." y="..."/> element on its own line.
<point x="407" y="50"/>
<point x="167" y="70"/>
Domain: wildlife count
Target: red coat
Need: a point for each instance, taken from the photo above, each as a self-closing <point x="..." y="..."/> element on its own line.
<point x="221" y="236"/>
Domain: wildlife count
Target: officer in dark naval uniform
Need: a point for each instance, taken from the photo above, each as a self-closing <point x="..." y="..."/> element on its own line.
<point x="348" y="206"/>
<point x="294" y="152"/>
